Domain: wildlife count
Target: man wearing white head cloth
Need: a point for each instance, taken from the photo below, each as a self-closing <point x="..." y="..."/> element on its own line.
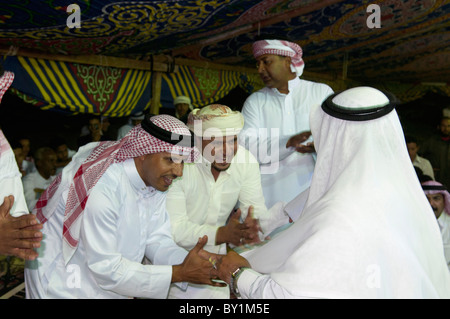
<point x="439" y="198"/>
<point x="106" y="211"/>
<point x="277" y="120"/>
<point x="226" y="176"/>
<point x="367" y="230"/>
<point x="183" y="106"/>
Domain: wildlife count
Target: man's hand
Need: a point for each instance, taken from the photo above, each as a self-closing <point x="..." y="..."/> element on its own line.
<point x="237" y="233"/>
<point x="252" y="228"/>
<point x="18" y="235"/>
<point x="233" y="231"/>
<point x="296" y="140"/>
<point x="196" y="267"/>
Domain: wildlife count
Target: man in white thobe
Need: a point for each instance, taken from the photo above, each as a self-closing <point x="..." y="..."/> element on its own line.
<point x="367" y="230"/>
<point x="201" y="201"/>
<point x="106" y="211"/>
<point x="277" y="120"/>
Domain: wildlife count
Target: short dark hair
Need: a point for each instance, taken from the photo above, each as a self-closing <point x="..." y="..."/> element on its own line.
<point x="411" y="139"/>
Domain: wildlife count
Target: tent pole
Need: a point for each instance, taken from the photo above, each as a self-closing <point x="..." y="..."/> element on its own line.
<point x="156" y="92"/>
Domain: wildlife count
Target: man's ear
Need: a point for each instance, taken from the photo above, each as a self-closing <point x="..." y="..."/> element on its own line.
<point x="288" y="62"/>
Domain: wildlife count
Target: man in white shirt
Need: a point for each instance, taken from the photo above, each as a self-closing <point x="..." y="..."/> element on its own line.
<point x="277" y="120"/>
<point x="106" y="211"/>
<point x="35" y="183"/>
<point x="19" y="231"/>
<point x="439" y="199"/>
<point x="367" y="230"/>
<point x="418" y="161"/>
<point x="226" y="176"/>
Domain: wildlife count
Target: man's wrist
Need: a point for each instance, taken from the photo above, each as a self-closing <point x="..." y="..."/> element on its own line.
<point x="234" y="280"/>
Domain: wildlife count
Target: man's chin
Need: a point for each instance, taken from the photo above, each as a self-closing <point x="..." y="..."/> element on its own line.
<point x="221" y="167"/>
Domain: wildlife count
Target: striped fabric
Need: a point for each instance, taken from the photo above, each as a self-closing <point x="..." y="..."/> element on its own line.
<point x="114" y="92"/>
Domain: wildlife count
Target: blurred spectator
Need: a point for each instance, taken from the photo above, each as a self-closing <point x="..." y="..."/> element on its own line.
<point x="418" y="161"/>
<point x="132" y="122"/>
<point x="36" y="182"/>
<point x="63" y="154"/>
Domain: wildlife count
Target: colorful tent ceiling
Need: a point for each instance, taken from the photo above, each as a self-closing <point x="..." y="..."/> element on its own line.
<point x="413" y="42"/>
<point x="115" y="92"/>
<point x="411" y="46"/>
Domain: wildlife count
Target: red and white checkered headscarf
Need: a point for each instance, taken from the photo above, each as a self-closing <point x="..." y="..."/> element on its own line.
<point x="5" y="82"/>
<point x="283" y="48"/>
<point x="136" y="143"/>
<point x="433" y="187"/>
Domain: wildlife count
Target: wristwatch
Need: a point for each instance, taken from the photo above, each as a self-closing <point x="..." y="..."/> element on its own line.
<point x="233" y="280"/>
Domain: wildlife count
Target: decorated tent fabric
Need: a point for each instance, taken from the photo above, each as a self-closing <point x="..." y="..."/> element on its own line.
<point x="205" y="86"/>
<point x="116" y="92"/>
<point x="79" y="88"/>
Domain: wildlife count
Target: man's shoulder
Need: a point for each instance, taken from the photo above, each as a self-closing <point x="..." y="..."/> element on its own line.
<point x="315" y="86"/>
<point x="31" y="177"/>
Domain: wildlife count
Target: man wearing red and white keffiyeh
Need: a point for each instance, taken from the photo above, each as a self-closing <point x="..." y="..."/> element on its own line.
<point x="439" y="198"/>
<point x="277" y="120"/>
<point x="106" y="211"/>
<point x="19" y="230"/>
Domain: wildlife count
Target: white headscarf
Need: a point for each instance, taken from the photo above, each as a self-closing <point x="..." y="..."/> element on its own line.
<point x="215" y="120"/>
<point x="367" y="230"/>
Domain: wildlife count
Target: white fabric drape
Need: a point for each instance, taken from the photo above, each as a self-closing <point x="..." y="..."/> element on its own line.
<point x="367" y="230"/>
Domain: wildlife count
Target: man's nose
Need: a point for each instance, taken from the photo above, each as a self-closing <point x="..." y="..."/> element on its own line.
<point x="178" y="169"/>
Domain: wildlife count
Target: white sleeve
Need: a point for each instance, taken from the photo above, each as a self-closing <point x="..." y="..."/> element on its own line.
<point x="266" y="145"/>
<point x="10" y="179"/>
<point x="185" y="232"/>
<point x="251" y="193"/>
<point x="253" y="285"/>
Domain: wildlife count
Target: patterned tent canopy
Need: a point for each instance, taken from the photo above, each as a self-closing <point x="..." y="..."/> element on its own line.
<point x="397" y="44"/>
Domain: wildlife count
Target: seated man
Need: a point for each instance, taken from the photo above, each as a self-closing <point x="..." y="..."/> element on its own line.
<point x="367" y="230"/>
<point x="106" y="211"/>
<point x="201" y="201"/>
<point x="439" y="199"/>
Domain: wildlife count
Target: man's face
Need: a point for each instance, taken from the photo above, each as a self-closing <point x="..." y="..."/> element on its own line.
<point x="412" y="150"/>
<point x="274" y="70"/>
<point x="62" y="152"/>
<point x="437" y="203"/>
<point x="160" y="169"/>
<point x="25" y="146"/>
<point x="220" y="151"/>
<point x="445" y="127"/>
<point x="47" y="165"/>
<point x="94" y="126"/>
<point x="182" y="108"/>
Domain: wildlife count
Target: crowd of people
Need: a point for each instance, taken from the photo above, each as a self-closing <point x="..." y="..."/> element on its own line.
<point x="306" y="193"/>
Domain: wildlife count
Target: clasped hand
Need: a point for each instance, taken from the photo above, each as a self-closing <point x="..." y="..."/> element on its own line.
<point x="237" y="233"/>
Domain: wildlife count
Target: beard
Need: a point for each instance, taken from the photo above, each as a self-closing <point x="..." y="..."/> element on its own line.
<point x="220" y="168"/>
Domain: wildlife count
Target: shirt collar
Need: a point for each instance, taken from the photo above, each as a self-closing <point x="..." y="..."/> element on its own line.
<point x="206" y="165"/>
<point x="292" y="84"/>
<point x="135" y="179"/>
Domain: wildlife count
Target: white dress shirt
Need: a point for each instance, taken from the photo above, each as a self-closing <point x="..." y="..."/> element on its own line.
<point x="444" y="226"/>
<point x="198" y="205"/>
<point x="424" y="165"/>
<point x="30" y="182"/>
<point x="124" y="220"/>
<point x="271" y="118"/>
